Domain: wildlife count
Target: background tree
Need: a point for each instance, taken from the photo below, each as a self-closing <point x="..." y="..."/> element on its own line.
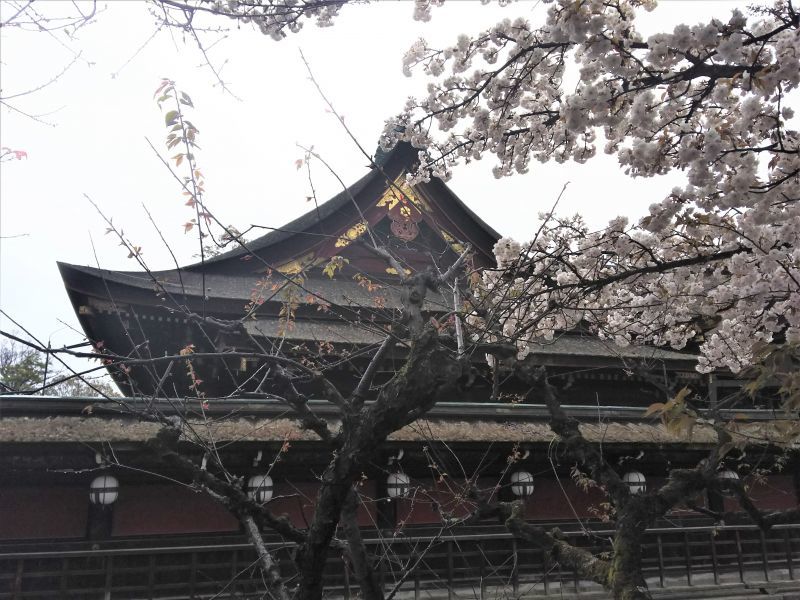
<point x="21" y="368"/>
<point x="26" y="370"/>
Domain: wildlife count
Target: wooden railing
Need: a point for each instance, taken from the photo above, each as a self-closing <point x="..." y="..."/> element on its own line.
<point x="446" y="566"/>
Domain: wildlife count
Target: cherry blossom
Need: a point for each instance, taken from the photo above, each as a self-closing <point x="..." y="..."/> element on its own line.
<point x="716" y="263"/>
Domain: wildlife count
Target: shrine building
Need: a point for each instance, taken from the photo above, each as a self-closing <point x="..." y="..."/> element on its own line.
<point x="85" y="513"/>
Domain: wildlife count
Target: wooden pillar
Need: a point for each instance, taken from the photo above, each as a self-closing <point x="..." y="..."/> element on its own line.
<point x="99" y="522"/>
<point x="716" y="502"/>
<point x="386" y="509"/>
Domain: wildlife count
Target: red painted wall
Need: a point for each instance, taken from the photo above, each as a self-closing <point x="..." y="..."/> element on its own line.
<point x="367" y="511"/>
<point x="550" y="501"/>
<point x="428" y="501"/>
<point x="61" y="512"/>
<point x="426" y="507"/>
<point x="775" y="493"/>
<point x="168" y="509"/>
<point x="296" y="501"/>
<point x="43" y="512"/>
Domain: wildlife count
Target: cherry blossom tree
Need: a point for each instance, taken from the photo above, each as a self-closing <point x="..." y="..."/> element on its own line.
<point x="715" y="261"/>
<point x="714" y="264"/>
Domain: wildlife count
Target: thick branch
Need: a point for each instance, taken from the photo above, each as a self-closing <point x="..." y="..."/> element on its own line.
<point x="269" y="568"/>
<point x="286" y="389"/>
<point x="764" y="519"/>
<point x="362" y="567"/>
<point x="588" y="566"/>
<point x="568" y="429"/>
<point x="369" y="374"/>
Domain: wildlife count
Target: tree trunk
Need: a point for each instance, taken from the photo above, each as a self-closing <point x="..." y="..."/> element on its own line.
<point x="625" y="577"/>
<point x="431" y="372"/>
<point x="359" y="557"/>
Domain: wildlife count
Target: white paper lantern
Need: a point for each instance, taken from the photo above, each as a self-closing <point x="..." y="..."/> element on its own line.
<point x="398" y="485"/>
<point x="636" y="482"/>
<point x="104" y="490"/>
<point x="521" y="484"/>
<point x="727" y="476"/>
<point x="260" y="488"/>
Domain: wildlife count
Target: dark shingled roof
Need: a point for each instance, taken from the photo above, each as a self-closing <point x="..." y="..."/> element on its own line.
<point x="232" y="287"/>
<point x="338" y="332"/>
<point x="300" y="224"/>
<point x="68" y="421"/>
<point x="589" y="345"/>
<point x="347" y="293"/>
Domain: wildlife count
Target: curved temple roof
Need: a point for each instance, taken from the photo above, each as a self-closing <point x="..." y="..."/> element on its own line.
<point x="374" y="193"/>
<point x="332" y="229"/>
<point x="423" y="224"/>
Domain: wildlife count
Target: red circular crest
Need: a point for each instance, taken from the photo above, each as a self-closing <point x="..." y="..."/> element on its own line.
<point x="405" y="230"/>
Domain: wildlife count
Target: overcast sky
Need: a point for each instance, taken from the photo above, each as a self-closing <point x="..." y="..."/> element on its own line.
<point x="102" y="111"/>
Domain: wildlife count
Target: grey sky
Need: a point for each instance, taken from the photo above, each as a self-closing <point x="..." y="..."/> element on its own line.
<point x="98" y="145"/>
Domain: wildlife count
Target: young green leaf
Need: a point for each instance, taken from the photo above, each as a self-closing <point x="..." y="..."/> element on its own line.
<point x="171" y="117"/>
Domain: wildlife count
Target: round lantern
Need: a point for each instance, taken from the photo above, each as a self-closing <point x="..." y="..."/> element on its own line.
<point x="104" y="490"/>
<point x="522" y="484"/>
<point x="725" y="477"/>
<point x="398" y="485"/>
<point x="260" y="488"/>
<point x="636" y="482"/>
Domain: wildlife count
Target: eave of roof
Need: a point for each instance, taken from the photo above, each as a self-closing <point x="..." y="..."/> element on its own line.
<point x="38" y="419"/>
<point x="238" y="281"/>
<point x="237" y="291"/>
<point x="567" y="346"/>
